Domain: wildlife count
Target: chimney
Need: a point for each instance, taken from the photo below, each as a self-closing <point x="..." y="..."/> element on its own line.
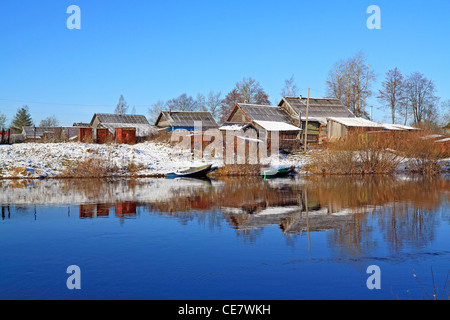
<point x="170" y="111"/>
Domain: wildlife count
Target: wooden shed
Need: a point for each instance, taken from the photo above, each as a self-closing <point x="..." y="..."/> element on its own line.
<point x="270" y="121"/>
<point x="339" y="128"/>
<point x="318" y="112"/>
<point x="126" y="135"/>
<point x="143" y="128"/>
<point x="185" y="120"/>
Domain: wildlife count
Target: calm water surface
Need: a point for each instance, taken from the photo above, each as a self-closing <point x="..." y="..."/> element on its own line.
<point x="294" y="238"/>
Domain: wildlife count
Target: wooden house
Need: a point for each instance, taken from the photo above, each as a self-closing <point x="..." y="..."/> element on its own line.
<point x="185" y="120"/>
<point x="319" y="111"/>
<point x="114" y="121"/>
<point x="267" y="120"/>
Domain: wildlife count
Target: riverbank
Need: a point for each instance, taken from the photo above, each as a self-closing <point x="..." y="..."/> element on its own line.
<point x="79" y="160"/>
<point x="144" y="160"/>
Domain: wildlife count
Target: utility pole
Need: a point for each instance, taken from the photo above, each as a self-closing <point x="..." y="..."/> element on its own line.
<point x="306" y="124"/>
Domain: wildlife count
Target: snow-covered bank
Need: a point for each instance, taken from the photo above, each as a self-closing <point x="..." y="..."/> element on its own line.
<point x="50" y="160"/>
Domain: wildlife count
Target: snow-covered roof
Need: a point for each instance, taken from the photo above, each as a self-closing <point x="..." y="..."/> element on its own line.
<point x="390" y="126"/>
<point x="235" y="126"/>
<point x="356" y="122"/>
<point x="276" y="126"/>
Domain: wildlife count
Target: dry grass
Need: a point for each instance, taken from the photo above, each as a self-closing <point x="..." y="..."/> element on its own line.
<point x="236" y="170"/>
<point x="425" y="154"/>
<point x="360" y="153"/>
<point x="379" y="153"/>
<point x="90" y="168"/>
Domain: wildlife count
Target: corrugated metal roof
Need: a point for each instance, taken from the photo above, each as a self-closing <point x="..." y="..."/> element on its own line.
<point x="356" y="122"/>
<point x="319" y="108"/>
<point x="257" y="112"/>
<point x="188" y="119"/>
<point x="126" y="118"/>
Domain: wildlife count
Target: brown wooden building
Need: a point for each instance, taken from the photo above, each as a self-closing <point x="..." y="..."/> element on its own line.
<point x="268" y="120"/>
<point x="319" y="111"/>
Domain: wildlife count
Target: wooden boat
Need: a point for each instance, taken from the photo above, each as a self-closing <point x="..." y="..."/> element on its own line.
<point x="279" y="172"/>
<point x="196" y="172"/>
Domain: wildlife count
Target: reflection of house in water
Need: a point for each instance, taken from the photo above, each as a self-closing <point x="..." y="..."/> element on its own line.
<point x="125" y="209"/>
<point x="91" y="211"/>
<point x="122" y="210"/>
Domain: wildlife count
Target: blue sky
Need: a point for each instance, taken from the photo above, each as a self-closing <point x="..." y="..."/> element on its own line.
<point x="156" y="50"/>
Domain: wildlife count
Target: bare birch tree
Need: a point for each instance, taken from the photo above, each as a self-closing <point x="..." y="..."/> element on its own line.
<point x="290" y="89"/>
<point x="2" y="121"/>
<point x="421" y="98"/>
<point x="350" y="81"/>
<point x="122" y="106"/>
<point x="155" y="110"/>
<point x="392" y="93"/>
<point x="213" y="103"/>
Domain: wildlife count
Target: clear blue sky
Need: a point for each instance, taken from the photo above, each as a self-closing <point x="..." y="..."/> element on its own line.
<point x="156" y="50"/>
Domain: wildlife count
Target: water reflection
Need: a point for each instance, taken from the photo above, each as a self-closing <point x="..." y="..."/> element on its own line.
<point x="407" y="211"/>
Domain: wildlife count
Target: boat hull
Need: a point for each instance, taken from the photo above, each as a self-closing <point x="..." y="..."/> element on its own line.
<point x="199" y="172"/>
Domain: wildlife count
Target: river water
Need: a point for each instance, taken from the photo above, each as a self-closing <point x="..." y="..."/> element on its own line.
<point x="237" y="238"/>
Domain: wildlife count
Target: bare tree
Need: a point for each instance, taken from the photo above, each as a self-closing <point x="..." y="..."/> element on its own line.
<point x="155" y="110"/>
<point x="421" y="98"/>
<point x="250" y="91"/>
<point x="246" y="91"/>
<point x="201" y="102"/>
<point x="392" y="94"/>
<point x="122" y="106"/>
<point x="290" y="89"/>
<point x="350" y="81"/>
<point x="2" y="121"/>
<point x="445" y="107"/>
<point x="213" y="103"/>
<point x="228" y="104"/>
<point x="182" y="103"/>
<point x="49" y="122"/>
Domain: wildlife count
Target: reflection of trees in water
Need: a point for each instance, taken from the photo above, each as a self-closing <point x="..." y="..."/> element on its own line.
<point x="405" y="211"/>
<point x="405" y="224"/>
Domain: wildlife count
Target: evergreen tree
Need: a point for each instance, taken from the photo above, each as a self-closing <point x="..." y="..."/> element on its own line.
<point x="22" y="119"/>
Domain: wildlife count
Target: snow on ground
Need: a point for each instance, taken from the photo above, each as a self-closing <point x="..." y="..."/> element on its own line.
<point x="46" y="160"/>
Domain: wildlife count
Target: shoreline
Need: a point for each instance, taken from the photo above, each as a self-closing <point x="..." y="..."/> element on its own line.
<point x="74" y="160"/>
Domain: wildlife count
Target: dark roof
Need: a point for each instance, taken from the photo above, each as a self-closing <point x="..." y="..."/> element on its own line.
<point x="318" y="108"/>
<point x="115" y="118"/>
<point x="82" y="125"/>
<point x="187" y="118"/>
<point x="258" y="112"/>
